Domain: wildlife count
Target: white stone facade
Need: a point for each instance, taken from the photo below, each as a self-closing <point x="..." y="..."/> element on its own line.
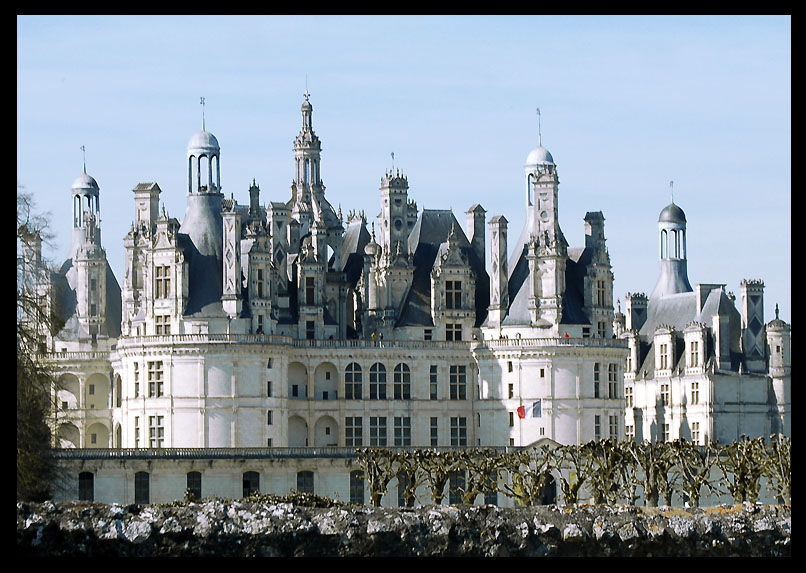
<point x="285" y="326"/>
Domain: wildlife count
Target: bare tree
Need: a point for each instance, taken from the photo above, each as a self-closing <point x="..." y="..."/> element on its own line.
<point x="483" y="466"/>
<point x="654" y="460"/>
<point x="778" y="467"/>
<point x="378" y="467"/>
<point x="438" y="467"/>
<point x="578" y="460"/>
<point x="409" y="471"/>
<point x="608" y="458"/>
<point x="529" y="472"/>
<point x="695" y="463"/>
<point x="35" y="381"/>
<point x="742" y="466"/>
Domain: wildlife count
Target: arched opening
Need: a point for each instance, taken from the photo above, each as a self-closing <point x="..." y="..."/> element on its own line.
<point x="68" y="392"/>
<point x="326" y="432"/>
<point x="297" y="381"/>
<point x="326" y="382"/>
<point x="97" y="390"/>
<point x="97" y="436"/>
<point x="297" y="432"/>
<point x="663" y="243"/>
<point x="67" y="436"/>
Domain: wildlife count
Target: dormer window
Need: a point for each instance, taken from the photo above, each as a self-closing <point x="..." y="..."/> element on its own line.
<point x="453" y="294"/>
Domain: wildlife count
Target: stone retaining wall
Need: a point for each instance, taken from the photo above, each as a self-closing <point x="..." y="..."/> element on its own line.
<point x="220" y="528"/>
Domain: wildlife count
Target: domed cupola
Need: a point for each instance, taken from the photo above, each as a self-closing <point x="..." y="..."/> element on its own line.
<point x="672" y="214"/>
<point x="539" y="156"/>
<point x="204" y="157"/>
<point x="673" y="277"/>
<point x="86" y="205"/>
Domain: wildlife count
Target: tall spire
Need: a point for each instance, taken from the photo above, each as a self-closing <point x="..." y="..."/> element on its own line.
<point x="84" y="153"/>
<point x="539" y="130"/>
<point x="202" y="104"/>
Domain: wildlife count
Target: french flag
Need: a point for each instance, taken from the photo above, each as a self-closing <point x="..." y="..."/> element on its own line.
<point x="534" y="410"/>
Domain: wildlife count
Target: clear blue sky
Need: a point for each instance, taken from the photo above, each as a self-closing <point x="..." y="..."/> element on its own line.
<point x="628" y="104"/>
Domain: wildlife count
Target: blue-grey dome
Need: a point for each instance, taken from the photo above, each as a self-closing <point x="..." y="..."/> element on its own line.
<point x="672" y="214"/>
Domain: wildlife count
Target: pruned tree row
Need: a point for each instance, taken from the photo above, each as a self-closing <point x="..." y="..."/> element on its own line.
<point x="610" y="471"/>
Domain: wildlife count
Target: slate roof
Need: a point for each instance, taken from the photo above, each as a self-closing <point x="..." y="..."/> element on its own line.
<point x="425" y="239"/>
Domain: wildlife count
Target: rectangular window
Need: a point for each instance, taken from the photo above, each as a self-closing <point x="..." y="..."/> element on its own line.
<point x="597" y="427"/>
<point x="596" y="368"/>
<point x="433" y="382"/>
<point x="310" y="330"/>
<point x="694" y="355"/>
<point x="665" y="432"/>
<point x="353" y="432"/>
<point x="458" y="383"/>
<point x="511" y="390"/>
<point x="434" y="432"/>
<point x="511" y="419"/>
<point x="612" y="380"/>
<point x="93" y="310"/>
<point x="162" y="282"/>
<point x="613" y="422"/>
<point x="601" y="328"/>
<point x="453" y="294"/>
<point x="260" y="283"/>
<point x="601" y="299"/>
<point x="695" y="392"/>
<point x="664" y="394"/>
<point x="268" y="389"/>
<point x="136" y="380"/>
<point x="269" y="418"/>
<point x="402" y="431"/>
<point x="377" y="431"/>
<point x="309" y="290"/>
<point x="453" y="332"/>
<point x="92" y="389"/>
<point x="664" y="356"/>
<point x="162" y="324"/>
<point x="156" y="432"/>
<point x="458" y="431"/>
<point x="155" y="379"/>
<point x="137" y="431"/>
<point x="628" y="396"/>
<point x="427" y="333"/>
<point x="695" y="432"/>
<point x="629" y="432"/>
<point x="357" y="487"/>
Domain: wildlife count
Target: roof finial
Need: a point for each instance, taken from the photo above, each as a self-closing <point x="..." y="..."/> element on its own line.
<point x="539" y="134"/>
<point x="393" y="162"/>
<point x="671" y="189"/>
<point x="84" y="153"/>
<point x="776" y="311"/>
<point x="202" y="104"/>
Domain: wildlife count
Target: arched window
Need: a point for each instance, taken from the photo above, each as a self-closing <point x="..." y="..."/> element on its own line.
<point x="305" y="481"/>
<point x="251" y="483"/>
<point x="141" y="488"/>
<point x="663" y="244"/>
<point x="86" y="486"/>
<point x="194" y="484"/>
<point x="377" y="382"/>
<point x="402" y="382"/>
<point x="674" y="246"/>
<point x="352" y="381"/>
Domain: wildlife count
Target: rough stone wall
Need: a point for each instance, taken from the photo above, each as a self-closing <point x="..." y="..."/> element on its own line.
<point x="262" y="528"/>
